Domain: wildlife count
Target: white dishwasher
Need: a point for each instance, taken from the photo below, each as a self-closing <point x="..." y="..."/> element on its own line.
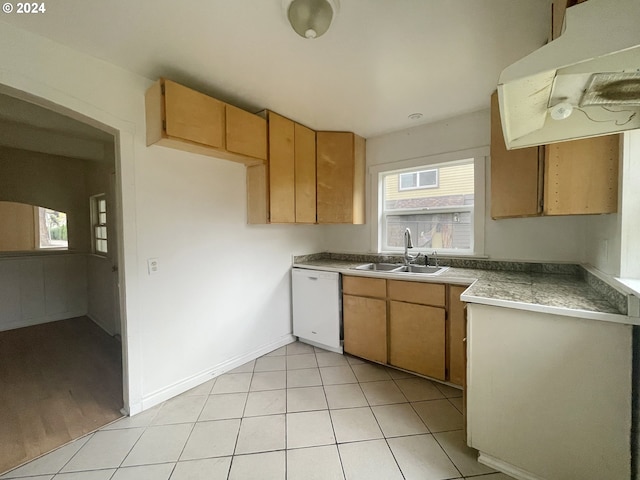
<point x="317" y="308"/>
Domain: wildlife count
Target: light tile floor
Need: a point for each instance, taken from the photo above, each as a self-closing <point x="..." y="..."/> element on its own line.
<point x="297" y="413"/>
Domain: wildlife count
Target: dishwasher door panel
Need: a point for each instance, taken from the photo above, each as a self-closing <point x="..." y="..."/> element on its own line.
<point x="316" y="307"/>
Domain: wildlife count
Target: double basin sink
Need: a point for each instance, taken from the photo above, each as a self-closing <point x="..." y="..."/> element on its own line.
<point x="399" y="268"/>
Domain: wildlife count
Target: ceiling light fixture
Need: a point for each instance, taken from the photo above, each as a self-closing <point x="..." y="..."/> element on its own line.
<point x="561" y="111"/>
<point x="311" y="18"/>
<point x="415" y="116"/>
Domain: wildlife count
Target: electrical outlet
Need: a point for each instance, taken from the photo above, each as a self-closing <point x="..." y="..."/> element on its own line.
<point x="152" y="266"/>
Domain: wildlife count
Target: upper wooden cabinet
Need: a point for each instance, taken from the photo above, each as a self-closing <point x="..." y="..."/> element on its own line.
<point x="292" y="171"/>
<point x="193" y="116"/>
<point x="340" y="178"/>
<point x="568" y="178"/>
<point x="516" y="182"/>
<point x="305" y="174"/>
<point x="246" y="133"/>
<point x="181" y="118"/>
<point x="312" y="177"/>
<point x="282" y="182"/>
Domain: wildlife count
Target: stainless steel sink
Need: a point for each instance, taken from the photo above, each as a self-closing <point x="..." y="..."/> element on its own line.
<point x="396" y="268"/>
<point x="380" y="267"/>
<point x="423" y="269"/>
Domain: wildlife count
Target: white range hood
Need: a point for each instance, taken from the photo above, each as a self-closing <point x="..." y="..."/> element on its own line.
<point x="600" y="37"/>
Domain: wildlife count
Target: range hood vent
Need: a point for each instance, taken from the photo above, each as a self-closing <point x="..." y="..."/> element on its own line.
<point x="585" y="83"/>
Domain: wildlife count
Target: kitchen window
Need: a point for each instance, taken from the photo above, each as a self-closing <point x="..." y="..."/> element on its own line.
<point x="436" y="202"/>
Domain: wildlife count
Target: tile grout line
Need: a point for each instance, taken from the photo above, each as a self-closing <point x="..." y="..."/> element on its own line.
<point x="333" y="428"/>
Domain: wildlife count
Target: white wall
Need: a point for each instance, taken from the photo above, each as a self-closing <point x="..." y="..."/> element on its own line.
<point x="613" y="241"/>
<point x="223" y="289"/>
<point x="537" y="239"/>
<point x="41" y="288"/>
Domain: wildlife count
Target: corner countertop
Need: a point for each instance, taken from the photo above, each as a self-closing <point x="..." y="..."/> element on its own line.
<point x="541" y="291"/>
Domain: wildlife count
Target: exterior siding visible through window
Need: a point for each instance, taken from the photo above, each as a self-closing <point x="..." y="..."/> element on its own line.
<point x="440" y="217"/>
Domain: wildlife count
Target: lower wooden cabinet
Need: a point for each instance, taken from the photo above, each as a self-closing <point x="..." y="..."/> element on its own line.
<point x="365" y="327"/>
<point x="416" y="326"/>
<point x="417" y="338"/>
<point x="456" y="333"/>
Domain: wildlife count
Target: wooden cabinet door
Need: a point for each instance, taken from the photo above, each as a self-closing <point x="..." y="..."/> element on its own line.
<point x="193" y="116"/>
<point x="581" y="176"/>
<point x="246" y="133"/>
<point x="365" y="327"/>
<point x="456" y="329"/>
<point x="257" y="194"/>
<point x="340" y="177"/>
<point x="516" y="176"/>
<point x="282" y="169"/>
<point x="417" y="338"/>
<point x="305" y="174"/>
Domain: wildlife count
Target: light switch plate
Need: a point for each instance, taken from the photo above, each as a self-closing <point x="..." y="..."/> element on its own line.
<point x="152" y="266"/>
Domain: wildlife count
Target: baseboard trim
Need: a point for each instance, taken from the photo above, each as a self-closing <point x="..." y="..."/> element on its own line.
<point x="100" y="323"/>
<point x="40" y="320"/>
<point x="506" y="468"/>
<point x="182" y="386"/>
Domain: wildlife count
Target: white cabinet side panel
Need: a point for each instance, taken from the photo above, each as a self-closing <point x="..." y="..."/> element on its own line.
<point x="548" y="394"/>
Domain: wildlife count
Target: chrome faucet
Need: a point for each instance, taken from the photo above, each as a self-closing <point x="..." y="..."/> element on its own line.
<point x="407" y="245"/>
<point x="435" y="255"/>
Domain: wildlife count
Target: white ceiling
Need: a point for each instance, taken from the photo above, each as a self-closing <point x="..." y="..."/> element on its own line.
<point x="380" y="61"/>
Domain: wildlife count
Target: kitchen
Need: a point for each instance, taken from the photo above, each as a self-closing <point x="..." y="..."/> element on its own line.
<point x="178" y="334"/>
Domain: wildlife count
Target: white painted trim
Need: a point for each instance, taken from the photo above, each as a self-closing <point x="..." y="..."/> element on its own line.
<point x="100" y="323"/>
<point x="182" y="386"/>
<point x="506" y="468"/>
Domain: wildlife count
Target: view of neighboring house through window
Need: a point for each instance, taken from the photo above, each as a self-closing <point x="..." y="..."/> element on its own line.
<point x="435" y="202"/>
<point x="52" y="228"/>
<point x="99" y="222"/>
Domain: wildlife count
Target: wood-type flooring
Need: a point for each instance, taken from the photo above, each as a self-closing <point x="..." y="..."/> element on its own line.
<point x="58" y="381"/>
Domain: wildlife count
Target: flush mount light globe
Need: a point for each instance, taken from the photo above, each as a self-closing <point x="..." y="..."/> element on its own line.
<point x="561" y="111"/>
<point x="310" y="18"/>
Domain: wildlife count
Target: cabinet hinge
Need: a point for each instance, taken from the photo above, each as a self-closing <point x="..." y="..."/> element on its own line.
<point x="162" y="89"/>
<point x="164" y="125"/>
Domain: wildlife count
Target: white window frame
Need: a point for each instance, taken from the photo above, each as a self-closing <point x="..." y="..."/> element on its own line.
<point x="95" y="224"/>
<point x="417" y="174"/>
<point x="36" y="231"/>
<point x="376" y="199"/>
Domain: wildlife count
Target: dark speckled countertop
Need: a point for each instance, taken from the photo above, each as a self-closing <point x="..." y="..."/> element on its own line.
<point x="560" y="289"/>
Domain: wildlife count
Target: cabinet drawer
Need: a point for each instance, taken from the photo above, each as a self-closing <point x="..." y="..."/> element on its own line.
<point x="364" y="287"/>
<point x="417" y="292"/>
